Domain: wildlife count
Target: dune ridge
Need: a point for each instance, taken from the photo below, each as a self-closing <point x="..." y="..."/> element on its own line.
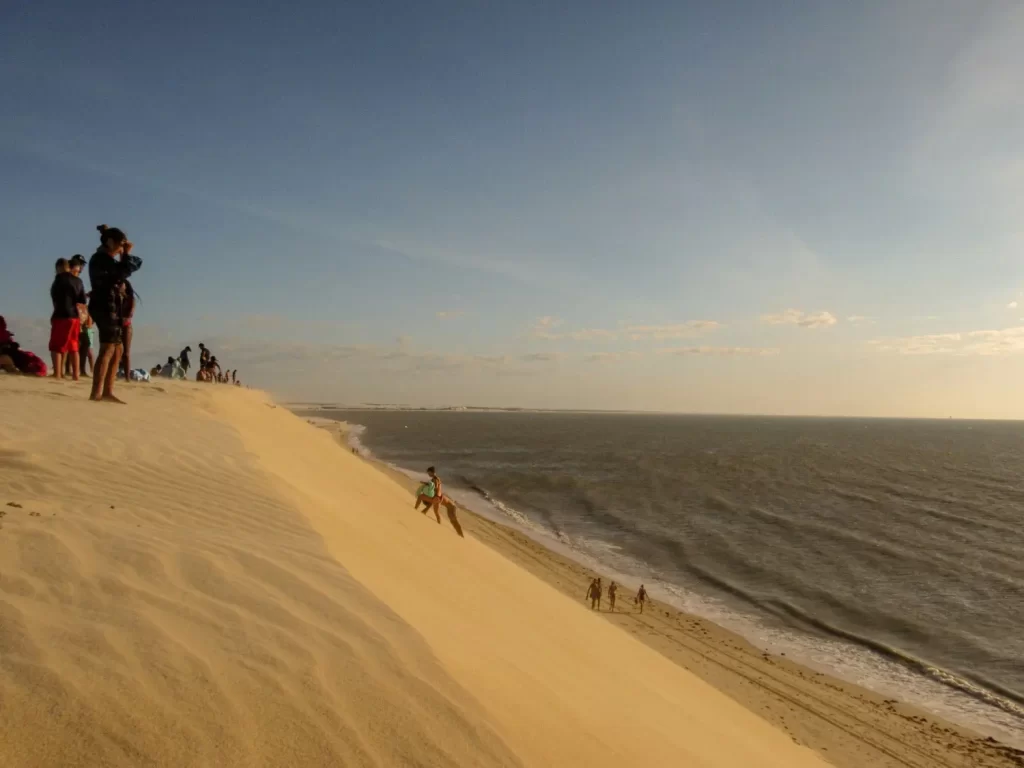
<point x="201" y="578"/>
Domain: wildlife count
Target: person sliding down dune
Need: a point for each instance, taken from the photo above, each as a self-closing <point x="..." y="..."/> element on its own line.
<point x="430" y="495"/>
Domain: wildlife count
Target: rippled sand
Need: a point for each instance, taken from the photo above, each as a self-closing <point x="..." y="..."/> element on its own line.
<point x="201" y="578"/>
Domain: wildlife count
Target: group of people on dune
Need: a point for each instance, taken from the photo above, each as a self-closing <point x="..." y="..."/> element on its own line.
<point x="91" y="331"/>
<point x="209" y="369"/>
<point x="101" y="318"/>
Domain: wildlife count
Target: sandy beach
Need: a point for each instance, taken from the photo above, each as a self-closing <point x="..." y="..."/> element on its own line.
<point x="202" y="578"/>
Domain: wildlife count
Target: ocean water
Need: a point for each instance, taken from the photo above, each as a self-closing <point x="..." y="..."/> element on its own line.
<point x="888" y="552"/>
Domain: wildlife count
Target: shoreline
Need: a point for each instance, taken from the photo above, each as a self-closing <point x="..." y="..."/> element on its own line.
<point x="852" y="726"/>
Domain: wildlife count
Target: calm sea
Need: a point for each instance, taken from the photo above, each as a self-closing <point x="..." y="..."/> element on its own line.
<point x="889" y="552"/>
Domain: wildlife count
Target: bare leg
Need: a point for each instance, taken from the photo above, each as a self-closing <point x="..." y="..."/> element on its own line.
<point x="127" y="353"/>
<point x="437" y="509"/>
<point x="99" y="370"/>
<point x="58" y="364"/>
<point x="108" y="383"/>
<point x="75" y="365"/>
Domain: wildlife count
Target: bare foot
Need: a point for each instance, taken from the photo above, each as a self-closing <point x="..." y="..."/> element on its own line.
<point x="112" y="399"/>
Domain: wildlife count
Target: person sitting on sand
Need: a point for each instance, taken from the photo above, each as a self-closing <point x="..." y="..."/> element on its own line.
<point x="612" y="589"/>
<point x="107" y="274"/>
<point x="641" y="598"/>
<point x="67" y="293"/>
<point x="171" y="369"/>
<point x="429" y="492"/>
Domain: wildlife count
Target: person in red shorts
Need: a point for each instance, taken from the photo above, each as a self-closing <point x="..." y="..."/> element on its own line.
<point x="68" y="296"/>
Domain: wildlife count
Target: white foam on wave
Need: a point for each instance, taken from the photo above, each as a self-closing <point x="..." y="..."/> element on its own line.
<point x="844" y="660"/>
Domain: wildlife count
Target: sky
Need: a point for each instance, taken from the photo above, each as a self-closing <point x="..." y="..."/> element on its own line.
<point x="733" y="207"/>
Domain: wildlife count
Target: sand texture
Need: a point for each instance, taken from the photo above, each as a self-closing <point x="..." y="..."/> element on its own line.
<point x="200" y="578"/>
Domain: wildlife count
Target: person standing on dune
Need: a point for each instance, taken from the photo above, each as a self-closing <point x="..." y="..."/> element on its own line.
<point x="612" y="589"/>
<point x="594" y="594"/>
<point x="109" y="267"/>
<point x="68" y="296"/>
<point x="183" y="359"/>
<point x="129" y="300"/>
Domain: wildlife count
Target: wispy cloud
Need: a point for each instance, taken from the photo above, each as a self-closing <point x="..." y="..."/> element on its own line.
<point x="686" y="330"/>
<point x="860" y="320"/>
<point x="540" y="357"/>
<point x="1005" y="341"/>
<point x="800" y="318"/>
<point x="1012" y="305"/>
<point x="546" y="328"/>
<point x="720" y="351"/>
<point x="611" y="357"/>
<point x="450" y="314"/>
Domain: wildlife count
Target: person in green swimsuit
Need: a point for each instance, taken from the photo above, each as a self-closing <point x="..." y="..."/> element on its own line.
<point x="431" y="496"/>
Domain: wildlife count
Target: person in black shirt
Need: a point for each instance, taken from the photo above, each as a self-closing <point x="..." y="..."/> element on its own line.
<point x="183" y="359"/>
<point x="68" y="295"/>
<point x="108" y="274"/>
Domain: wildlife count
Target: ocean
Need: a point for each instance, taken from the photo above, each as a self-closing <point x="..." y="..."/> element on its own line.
<point x="887" y="552"/>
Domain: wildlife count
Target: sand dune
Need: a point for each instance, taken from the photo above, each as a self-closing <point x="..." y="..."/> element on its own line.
<point x="201" y="578"/>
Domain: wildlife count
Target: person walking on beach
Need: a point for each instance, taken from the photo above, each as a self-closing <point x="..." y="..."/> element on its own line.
<point x="594" y="593"/>
<point x="641" y="597"/>
<point x="107" y="274"/>
<point x="612" y="589"/>
<point x="67" y="295"/>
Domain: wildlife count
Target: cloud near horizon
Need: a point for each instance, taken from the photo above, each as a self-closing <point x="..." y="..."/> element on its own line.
<point x="545" y="327"/>
<point x="611" y="357"/>
<point x="720" y="351"/>
<point x="802" y="319"/>
<point x="1006" y="341"/>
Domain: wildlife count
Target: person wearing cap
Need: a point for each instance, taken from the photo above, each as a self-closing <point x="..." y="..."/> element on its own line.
<point x="183" y="359"/>
<point x="68" y="297"/>
<point x="108" y="273"/>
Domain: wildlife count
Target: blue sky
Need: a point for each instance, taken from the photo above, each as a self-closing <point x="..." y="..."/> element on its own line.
<point x="662" y="205"/>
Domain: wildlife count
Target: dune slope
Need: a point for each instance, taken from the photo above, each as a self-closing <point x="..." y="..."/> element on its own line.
<point x="201" y="578"/>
